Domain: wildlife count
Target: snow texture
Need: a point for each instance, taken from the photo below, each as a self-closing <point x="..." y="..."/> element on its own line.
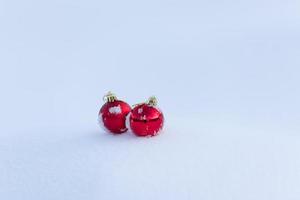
<point x="101" y="124"/>
<point x="127" y="122"/>
<point x="226" y="75"/>
<point x="115" y="110"/>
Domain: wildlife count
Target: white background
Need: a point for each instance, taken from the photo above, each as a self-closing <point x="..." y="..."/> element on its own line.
<point x="226" y="74"/>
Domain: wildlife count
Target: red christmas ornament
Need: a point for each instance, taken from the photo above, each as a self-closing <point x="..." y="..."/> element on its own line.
<point x="146" y="119"/>
<point x="112" y="115"/>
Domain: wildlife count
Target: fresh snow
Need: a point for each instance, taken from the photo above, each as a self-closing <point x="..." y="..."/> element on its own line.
<point x="225" y="73"/>
<point x="115" y="109"/>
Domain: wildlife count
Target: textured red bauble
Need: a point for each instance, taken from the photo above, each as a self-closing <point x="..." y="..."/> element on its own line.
<point x="112" y="115"/>
<point x="146" y="119"/>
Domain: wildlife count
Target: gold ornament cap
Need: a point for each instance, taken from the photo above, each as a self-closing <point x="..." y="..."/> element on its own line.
<point x="152" y="101"/>
<point x="109" y="97"/>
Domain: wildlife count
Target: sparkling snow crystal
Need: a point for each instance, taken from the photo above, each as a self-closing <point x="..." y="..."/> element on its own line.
<point x="140" y="110"/>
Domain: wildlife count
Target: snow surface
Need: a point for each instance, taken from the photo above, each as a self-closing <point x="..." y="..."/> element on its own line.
<point x="226" y="75"/>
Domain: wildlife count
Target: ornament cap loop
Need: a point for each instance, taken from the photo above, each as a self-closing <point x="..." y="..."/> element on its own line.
<point x="109" y="97"/>
<point x="152" y="101"/>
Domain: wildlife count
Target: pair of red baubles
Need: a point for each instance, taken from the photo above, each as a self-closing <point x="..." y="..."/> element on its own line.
<point x="144" y="119"/>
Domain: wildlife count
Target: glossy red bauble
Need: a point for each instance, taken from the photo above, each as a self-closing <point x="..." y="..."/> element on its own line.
<point x="146" y="119"/>
<point x="112" y="115"/>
